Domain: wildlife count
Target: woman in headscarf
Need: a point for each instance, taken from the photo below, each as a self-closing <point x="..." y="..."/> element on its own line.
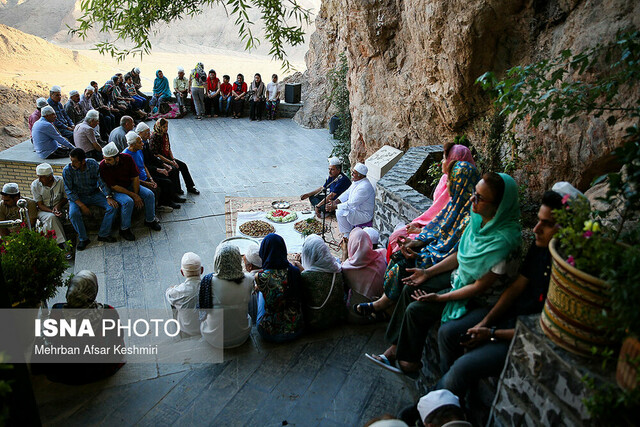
<point x="364" y="268"/>
<point x="440" y="236"/>
<point x="161" y="91"/>
<point x="122" y="100"/>
<point x="81" y="305"/>
<point x="227" y="288"/>
<point x="211" y="100"/>
<point x="257" y="99"/>
<point x="279" y="310"/>
<point x="197" y="85"/>
<point x="322" y="285"/>
<point x="238" y="93"/>
<point x="485" y="263"/>
<point x="161" y="147"/>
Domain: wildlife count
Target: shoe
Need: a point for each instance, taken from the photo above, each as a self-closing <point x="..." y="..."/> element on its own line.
<point x="193" y="190"/>
<point x="180" y="192"/>
<point x="164" y="209"/>
<point x="173" y="205"/>
<point x="108" y="239"/>
<point x="154" y="225"/>
<point x="82" y="244"/>
<point x="127" y="235"/>
<point x="179" y="199"/>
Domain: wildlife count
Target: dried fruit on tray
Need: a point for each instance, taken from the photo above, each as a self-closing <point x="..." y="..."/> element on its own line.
<point x="256" y="228"/>
<point x="281" y="215"/>
<point x="308" y="226"/>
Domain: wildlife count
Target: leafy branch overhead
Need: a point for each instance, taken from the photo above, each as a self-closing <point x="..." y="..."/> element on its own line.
<point x="132" y="22"/>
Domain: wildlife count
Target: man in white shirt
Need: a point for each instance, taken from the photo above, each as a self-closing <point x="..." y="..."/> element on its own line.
<point x="273" y="98"/>
<point x="354" y="207"/>
<point x="48" y="193"/>
<point x="184" y="297"/>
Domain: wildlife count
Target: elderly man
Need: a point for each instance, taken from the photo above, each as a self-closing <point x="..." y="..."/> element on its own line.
<point x="35" y="116"/>
<point x="119" y="134"/>
<point x="336" y="184"/>
<point x="107" y="118"/>
<point x="181" y="90"/>
<point x="47" y="141"/>
<point x="354" y="208"/>
<point x="184" y="297"/>
<point x="122" y="177"/>
<point x="73" y="108"/>
<point x="85" y="136"/>
<point x="63" y="122"/>
<point x="137" y="83"/>
<point x="48" y="193"/>
<point x="9" y="208"/>
<point x="84" y="188"/>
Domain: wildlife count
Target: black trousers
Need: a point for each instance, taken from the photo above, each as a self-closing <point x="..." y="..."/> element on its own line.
<point x="60" y="153"/>
<point x="166" y="191"/>
<point x="256" y="109"/>
<point x="237" y="105"/>
<point x="184" y="171"/>
<point x="107" y="124"/>
<point x="211" y="104"/>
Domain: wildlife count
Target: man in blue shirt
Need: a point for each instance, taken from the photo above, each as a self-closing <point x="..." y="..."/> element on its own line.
<point x="336" y="184"/>
<point x="63" y="122"/>
<point x="47" y="141"/>
<point x="84" y="187"/>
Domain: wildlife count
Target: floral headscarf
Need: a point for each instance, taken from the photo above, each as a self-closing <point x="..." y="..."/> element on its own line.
<point x="227" y="263"/>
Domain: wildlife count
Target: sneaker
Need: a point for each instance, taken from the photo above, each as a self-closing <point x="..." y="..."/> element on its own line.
<point x="108" y="239"/>
<point x="127" y="235"/>
<point x="82" y="244"/>
<point x="179" y="199"/>
<point x="193" y="190"/>
<point x="154" y="225"/>
<point x="164" y="209"/>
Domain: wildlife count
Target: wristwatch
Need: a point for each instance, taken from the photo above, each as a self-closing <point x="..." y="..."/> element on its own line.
<point x="492" y="334"/>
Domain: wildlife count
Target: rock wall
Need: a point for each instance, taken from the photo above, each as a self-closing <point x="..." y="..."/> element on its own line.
<point x="413" y="64"/>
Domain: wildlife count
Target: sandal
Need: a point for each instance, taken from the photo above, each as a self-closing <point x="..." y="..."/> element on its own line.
<point x="382" y="361"/>
<point x="366" y="309"/>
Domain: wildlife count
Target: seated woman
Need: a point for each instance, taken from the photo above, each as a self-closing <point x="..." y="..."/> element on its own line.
<point x="322" y="287"/>
<point x="486" y="261"/>
<point x="81" y="304"/>
<point x="122" y="98"/>
<point x="229" y="289"/>
<point x="257" y="99"/>
<point x="161" y="147"/>
<point x="279" y="310"/>
<point x="238" y="94"/>
<point x="438" y="239"/>
<point x="161" y="91"/>
<point x="211" y="99"/>
<point x="364" y="268"/>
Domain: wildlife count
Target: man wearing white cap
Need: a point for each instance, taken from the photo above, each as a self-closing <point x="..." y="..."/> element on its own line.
<point x="85" y="136"/>
<point x="181" y="89"/>
<point x="47" y="141"/>
<point x="121" y="175"/>
<point x="441" y="408"/>
<point x="184" y="297"/>
<point x="48" y="193"/>
<point x="35" y="116"/>
<point x="336" y="184"/>
<point x="354" y="208"/>
<point x="73" y="108"/>
<point x="63" y="122"/>
<point x="374" y="235"/>
<point x="9" y="208"/>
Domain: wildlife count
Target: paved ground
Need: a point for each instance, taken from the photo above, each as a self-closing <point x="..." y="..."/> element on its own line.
<point x="322" y="379"/>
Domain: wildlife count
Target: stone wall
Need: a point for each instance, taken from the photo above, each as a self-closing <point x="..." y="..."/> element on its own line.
<point x="396" y="201"/>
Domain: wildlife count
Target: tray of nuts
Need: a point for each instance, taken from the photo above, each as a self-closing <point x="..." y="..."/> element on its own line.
<point x="256" y="228"/>
<point x="308" y="226"/>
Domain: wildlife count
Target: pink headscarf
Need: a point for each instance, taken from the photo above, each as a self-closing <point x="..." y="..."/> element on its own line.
<point x="365" y="267"/>
<point x="440" y="198"/>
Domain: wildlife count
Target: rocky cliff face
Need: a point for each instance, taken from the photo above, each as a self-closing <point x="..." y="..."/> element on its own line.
<point x="413" y="64"/>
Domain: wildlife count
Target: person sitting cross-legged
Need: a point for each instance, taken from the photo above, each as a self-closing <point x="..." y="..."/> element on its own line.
<point x="47" y="141"/>
<point x="85" y="135"/>
<point x="84" y="188"/>
<point x="336" y="184"/>
<point x="183" y="298"/>
<point x="122" y="177"/>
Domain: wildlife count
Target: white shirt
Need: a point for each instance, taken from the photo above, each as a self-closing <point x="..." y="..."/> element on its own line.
<point x="184" y="298"/>
<point x="233" y="298"/>
<point x="50" y="196"/>
<point x="358" y="202"/>
<point x="272" y="91"/>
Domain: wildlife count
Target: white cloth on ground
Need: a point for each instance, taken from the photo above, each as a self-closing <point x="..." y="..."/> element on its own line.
<point x="356" y="207"/>
<point x="184" y="297"/>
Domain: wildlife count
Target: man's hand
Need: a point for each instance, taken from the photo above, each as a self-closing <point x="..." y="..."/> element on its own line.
<point x="305" y="196"/>
<point x="418" y="276"/>
<point x="137" y="201"/>
<point x="479" y="335"/>
<point x="58" y="213"/>
<point x="149" y="184"/>
<point x="162" y="171"/>
<point x="85" y="210"/>
<point x="112" y="202"/>
<point x="175" y="164"/>
<point x="420" y="295"/>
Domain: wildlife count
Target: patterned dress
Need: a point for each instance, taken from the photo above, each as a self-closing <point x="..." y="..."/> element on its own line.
<point x="283" y="315"/>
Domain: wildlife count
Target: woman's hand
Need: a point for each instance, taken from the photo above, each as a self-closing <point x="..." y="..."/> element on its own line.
<point x="479" y="335"/>
<point x="408" y="252"/>
<point x="420" y="295"/>
<point x="419" y="276"/>
<point x="414" y="228"/>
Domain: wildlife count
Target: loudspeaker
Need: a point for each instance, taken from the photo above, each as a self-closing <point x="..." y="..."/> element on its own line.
<point x="292" y="93"/>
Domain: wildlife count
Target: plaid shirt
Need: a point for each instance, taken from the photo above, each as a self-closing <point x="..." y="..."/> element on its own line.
<point x="79" y="183"/>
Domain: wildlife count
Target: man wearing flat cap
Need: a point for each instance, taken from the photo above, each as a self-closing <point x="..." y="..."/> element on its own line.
<point x="48" y="193"/>
<point x="85" y="135"/>
<point x="121" y="175"/>
<point x="9" y="207"/>
<point x="47" y="141"/>
<point x="62" y="122"/>
<point x="336" y="184"/>
<point x="354" y="208"/>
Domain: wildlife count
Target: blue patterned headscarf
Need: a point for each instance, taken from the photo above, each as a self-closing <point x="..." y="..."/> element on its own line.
<point x="161" y="85"/>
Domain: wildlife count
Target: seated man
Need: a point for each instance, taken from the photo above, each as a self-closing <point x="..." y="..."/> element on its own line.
<point x="354" y="208"/>
<point x="135" y="76"/>
<point x="119" y="134"/>
<point x="85" y="136"/>
<point x="35" y="116"/>
<point x="489" y="333"/>
<point x="47" y="141"/>
<point x="63" y="122"/>
<point x="336" y="184"/>
<point x="181" y="90"/>
<point x="84" y="188"/>
<point x="73" y="108"/>
<point x="184" y="297"/>
<point x="121" y="175"/>
<point x="9" y="208"/>
<point x="48" y="193"/>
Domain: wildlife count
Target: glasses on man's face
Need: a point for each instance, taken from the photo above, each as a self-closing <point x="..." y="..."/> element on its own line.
<point x="480" y="198"/>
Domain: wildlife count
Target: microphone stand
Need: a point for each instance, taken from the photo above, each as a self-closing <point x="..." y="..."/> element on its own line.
<point x="324" y="214"/>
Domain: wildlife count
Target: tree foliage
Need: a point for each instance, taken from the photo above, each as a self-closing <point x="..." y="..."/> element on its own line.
<point x="339" y="98"/>
<point x="132" y="22"/>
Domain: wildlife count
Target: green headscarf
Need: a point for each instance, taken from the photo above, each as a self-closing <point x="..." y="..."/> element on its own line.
<point x="483" y="247"/>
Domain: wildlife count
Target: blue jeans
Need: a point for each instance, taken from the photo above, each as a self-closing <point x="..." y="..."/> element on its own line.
<point x="126" y="206"/>
<point x="221" y="102"/>
<point x="75" y="215"/>
<point x="159" y="99"/>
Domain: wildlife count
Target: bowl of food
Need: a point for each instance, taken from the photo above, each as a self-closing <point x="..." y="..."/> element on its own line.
<point x="281" y="215"/>
<point x="256" y="228"/>
<point x="308" y="226"/>
<point x="281" y="204"/>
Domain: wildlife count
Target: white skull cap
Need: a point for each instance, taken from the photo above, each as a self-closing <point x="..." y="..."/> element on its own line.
<point x="132" y="137"/>
<point x="361" y="169"/>
<point x="110" y="150"/>
<point x="45" y="111"/>
<point x="137" y="70"/>
<point x="10" y="189"/>
<point x="55" y="88"/>
<point x="41" y="102"/>
<point x="253" y="256"/>
<point x="181" y="69"/>
<point x="334" y="161"/>
<point x="73" y="92"/>
<point x="44" y="169"/>
<point x="434" y="400"/>
<point x="142" y="126"/>
<point x="373" y="234"/>
<point x="191" y="262"/>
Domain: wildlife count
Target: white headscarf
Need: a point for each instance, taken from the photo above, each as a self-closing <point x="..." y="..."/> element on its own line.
<point x="317" y="257"/>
